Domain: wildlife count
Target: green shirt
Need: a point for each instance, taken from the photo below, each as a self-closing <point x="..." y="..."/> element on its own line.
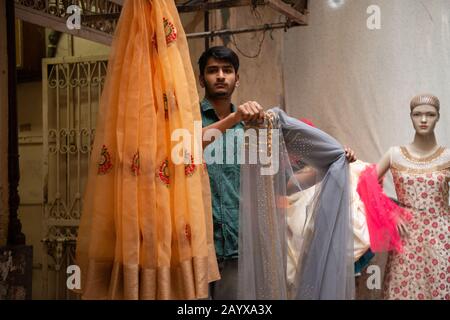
<point x="225" y="186"/>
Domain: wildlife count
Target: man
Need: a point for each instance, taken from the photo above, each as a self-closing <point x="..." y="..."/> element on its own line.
<point x="219" y="67"/>
<point x="219" y="76"/>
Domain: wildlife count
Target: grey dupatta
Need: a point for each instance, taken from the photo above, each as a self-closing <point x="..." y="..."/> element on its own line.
<point x="325" y="266"/>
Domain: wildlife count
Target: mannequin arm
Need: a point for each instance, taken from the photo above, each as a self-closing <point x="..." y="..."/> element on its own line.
<point x="383" y="165"/>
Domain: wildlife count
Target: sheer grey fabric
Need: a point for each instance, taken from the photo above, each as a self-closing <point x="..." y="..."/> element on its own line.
<point x="325" y="266"/>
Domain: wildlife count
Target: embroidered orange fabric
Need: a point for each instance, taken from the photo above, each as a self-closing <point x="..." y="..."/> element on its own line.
<point x="133" y="241"/>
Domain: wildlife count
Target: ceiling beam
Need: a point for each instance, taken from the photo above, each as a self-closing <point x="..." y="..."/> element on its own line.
<point x="59" y="24"/>
<point x="287" y="10"/>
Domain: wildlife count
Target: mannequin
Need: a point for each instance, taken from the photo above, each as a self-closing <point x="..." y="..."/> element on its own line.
<point x="421" y="172"/>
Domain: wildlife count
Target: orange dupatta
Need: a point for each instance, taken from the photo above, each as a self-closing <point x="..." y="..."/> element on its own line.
<point x="146" y="226"/>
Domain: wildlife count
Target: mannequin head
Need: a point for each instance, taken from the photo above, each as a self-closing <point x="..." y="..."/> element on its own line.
<point x="424" y="118"/>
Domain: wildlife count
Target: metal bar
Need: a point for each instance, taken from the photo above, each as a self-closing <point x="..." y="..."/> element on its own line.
<point x="75" y="59"/>
<point x="45" y="160"/>
<point x="69" y="108"/>
<point x="103" y="16"/>
<point x="207" y="6"/>
<point x="78" y="143"/>
<point x="206" y="26"/>
<point x="58" y="140"/>
<point x="265" y="27"/>
<point x="63" y="222"/>
<point x="89" y="107"/>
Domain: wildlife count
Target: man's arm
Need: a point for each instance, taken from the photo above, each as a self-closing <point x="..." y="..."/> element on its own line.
<point x="248" y="112"/>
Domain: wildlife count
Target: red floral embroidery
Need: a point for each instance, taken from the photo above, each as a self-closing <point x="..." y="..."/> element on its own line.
<point x="170" y="31"/>
<point x="163" y="173"/>
<point x="135" y="164"/>
<point x="188" y="232"/>
<point x="105" y="164"/>
<point x="189" y="169"/>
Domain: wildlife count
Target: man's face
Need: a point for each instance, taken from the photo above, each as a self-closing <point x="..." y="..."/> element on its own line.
<point x="424" y="119"/>
<point x="219" y="78"/>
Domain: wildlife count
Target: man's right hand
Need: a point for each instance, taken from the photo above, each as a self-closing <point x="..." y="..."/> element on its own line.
<point x="249" y="112"/>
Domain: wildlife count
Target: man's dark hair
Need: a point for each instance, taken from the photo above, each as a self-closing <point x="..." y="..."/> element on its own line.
<point x="219" y="53"/>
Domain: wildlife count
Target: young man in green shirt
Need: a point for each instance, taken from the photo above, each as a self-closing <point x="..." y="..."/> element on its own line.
<point x="219" y="77"/>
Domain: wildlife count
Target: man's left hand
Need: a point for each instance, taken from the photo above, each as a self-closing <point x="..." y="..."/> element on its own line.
<point x="350" y="155"/>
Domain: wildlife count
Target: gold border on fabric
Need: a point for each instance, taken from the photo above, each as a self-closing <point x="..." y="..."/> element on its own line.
<point x="429" y="158"/>
<point x="115" y="281"/>
<point x="398" y="167"/>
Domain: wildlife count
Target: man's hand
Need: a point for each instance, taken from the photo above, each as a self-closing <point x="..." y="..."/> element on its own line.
<point x="350" y="155"/>
<point x="249" y="112"/>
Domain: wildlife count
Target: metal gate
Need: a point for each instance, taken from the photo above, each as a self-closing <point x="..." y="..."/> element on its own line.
<point x="72" y="88"/>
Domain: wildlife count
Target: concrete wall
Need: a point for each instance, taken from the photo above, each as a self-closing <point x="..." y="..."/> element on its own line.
<point x="261" y="72"/>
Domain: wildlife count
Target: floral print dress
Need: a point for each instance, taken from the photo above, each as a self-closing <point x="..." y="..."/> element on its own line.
<point x="422" y="270"/>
